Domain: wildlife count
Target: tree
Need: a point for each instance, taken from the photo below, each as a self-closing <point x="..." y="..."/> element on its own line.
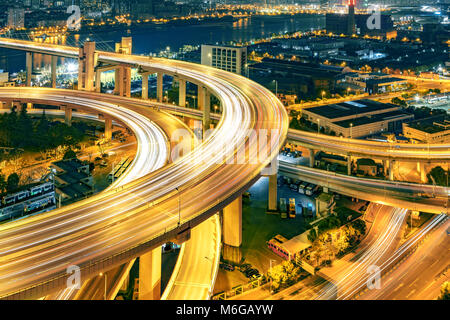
<point x="438" y="175"/>
<point x="12" y="184"/>
<point x="445" y="291"/>
<point x="312" y="235"/>
<point x="2" y="183"/>
<point x="399" y="102"/>
<point x="69" y="154"/>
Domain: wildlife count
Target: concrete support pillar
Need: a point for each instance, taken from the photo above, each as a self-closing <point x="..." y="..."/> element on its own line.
<point x="273" y="197"/>
<point x="68" y="116"/>
<point x="119" y="87"/>
<point x="108" y="128"/>
<point x="385" y="167"/>
<point x="391" y="169"/>
<point x="182" y="92"/>
<point x="98" y="80"/>
<point x="200" y="97"/>
<point x="53" y="70"/>
<point x="159" y="86"/>
<point x="87" y="61"/>
<point x="349" y="165"/>
<point x="29" y="68"/>
<point x="126" y="82"/>
<point x="150" y="275"/>
<point x="145" y="86"/>
<point x="422" y="172"/>
<point x="311" y="158"/>
<point x="232" y="223"/>
<point x="204" y="104"/>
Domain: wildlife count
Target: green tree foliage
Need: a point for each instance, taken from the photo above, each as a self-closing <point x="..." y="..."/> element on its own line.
<point x="12" y="184"/>
<point x="2" y="183"/>
<point x="399" y="102"/>
<point x="312" y="235"/>
<point x="20" y="131"/>
<point x="445" y="291"/>
<point x="69" y="154"/>
<point x="439" y="176"/>
<point x="284" y="274"/>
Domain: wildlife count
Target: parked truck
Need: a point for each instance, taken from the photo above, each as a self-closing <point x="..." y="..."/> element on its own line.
<point x="291" y="212"/>
<point x="283" y="208"/>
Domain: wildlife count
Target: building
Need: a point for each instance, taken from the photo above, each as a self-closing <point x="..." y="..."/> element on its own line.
<point x="293" y="77"/>
<point x="290" y="249"/>
<point x="359" y="118"/>
<point x="386" y="84"/>
<point x="228" y="58"/>
<point x="72" y="179"/>
<point x="438" y="132"/>
<point x="351" y="23"/>
<point x="367" y="166"/>
<point x="16" y="18"/>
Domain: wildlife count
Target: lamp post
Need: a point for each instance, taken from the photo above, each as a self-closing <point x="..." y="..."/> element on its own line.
<point x="318" y="126"/>
<point x="101" y="274"/>
<point x="323" y="93"/>
<point x="276" y="87"/>
<point x="270" y="269"/>
<point x="351" y="126"/>
<point x="179" y="207"/>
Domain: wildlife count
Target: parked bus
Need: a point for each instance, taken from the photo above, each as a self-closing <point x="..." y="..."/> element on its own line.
<point x="291" y="212"/>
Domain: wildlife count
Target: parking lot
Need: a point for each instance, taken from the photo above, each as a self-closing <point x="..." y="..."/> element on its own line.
<point x="258" y="227"/>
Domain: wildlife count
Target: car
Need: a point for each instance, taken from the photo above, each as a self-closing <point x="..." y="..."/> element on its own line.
<point x="256" y="276"/>
<point x="244" y="267"/>
<point x="226" y="266"/>
<point x="251" y="272"/>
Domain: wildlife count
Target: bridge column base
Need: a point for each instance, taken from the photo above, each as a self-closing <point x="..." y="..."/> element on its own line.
<point x="311" y="158"/>
<point x="231" y="254"/>
<point x="67" y="116"/>
<point x="108" y="128"/>
<point x="232" y="225"/>
<point x="150" y="275"/>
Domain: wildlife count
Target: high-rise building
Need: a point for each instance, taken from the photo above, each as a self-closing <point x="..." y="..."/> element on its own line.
<point x="16" y="18"/>
<point x="229" y="58"/>
<point x="351" y="28"/>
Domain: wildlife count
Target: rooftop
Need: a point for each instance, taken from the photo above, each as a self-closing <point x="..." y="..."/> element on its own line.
<point x="69" y="165"/>
<point x="373" y="118"/>
<point x="385" y="80"/>
<point x="350" y="108"/>
<point x="297" y="243"/>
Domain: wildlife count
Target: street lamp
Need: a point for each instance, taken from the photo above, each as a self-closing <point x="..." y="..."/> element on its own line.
<point x="179" y="207"/>
<point x="276" y="87"/>
<point x="101" y="274"/>
<point x="318" y="126"/>
<point x="323" y="93"/>
<point x="351" y="126"/>
<point x="270" y="269"/>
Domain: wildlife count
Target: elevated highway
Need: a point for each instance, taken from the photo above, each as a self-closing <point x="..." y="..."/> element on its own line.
<point x="133" y="219"/>
<point x="247" y="107"/>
